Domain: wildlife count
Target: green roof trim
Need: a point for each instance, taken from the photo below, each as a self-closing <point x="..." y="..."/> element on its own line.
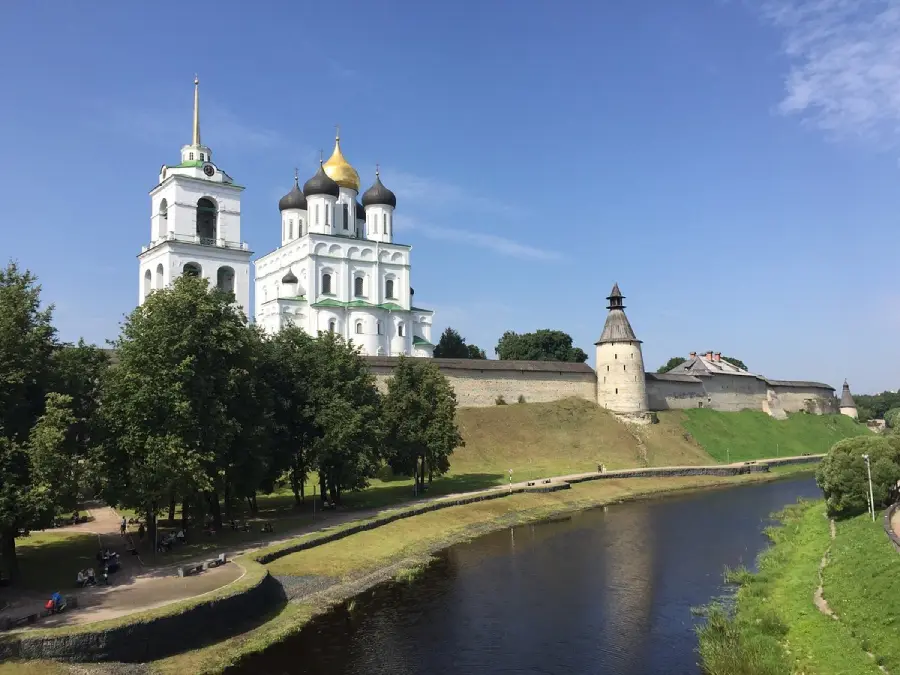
<point x="421" y="342"/>
<point x="193" y="164"/>
<point x="329" y="302"/>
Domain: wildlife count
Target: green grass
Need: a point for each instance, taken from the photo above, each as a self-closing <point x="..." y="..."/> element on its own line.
<point x="752" y="434"/>
<point x="775" y="628"/>
<point x="49" y="561"/>
<point x="862" y="585"/>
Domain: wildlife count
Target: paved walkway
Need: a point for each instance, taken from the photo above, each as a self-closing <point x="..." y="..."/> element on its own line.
<point x="137" y="587"/>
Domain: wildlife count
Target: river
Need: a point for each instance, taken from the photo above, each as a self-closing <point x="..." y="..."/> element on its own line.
<point x="608" y="590"/>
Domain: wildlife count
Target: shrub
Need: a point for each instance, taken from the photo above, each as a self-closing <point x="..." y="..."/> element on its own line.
<point x="843" y="478"/>
<point x="521" y="398"/>
<point x="500" y="400"/>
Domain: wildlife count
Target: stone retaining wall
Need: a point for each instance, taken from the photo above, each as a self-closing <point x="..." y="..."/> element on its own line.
<point x="155" y="637"/>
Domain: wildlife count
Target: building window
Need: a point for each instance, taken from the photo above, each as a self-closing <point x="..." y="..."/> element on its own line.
<point x="327" y="216"/>
<point x="331" y="326"/>
<point x="191" y="156"/>
<point x="206" y="220"/>
<point x="375" y="224"/>
<point x="400" y="330"/>
<point x="300" y="227"/>
<point x="326" y="283"/>
<point x="384" y="222"/>
<point x="387" y="225"/>
<point x="389" y="289"/>
<point x="378" y="327"/>
<point x="192" y="270"/>
<point x="291" y="229"/>
<point x="202" y="158"/>
<point x="358" y="287"/>
<point x="617" y="390"/>
<point x="615" y="355"/>
<point x="607" y="369"/>
<point x="359" y="327"/>
<point x="346" y="217"/>
<point x="317" y="214"/>
<point x="623" y="367"/>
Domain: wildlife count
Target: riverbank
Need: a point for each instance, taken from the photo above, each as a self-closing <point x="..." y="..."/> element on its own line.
<point x="320" y="578"/>
<point x="778" y="625"/>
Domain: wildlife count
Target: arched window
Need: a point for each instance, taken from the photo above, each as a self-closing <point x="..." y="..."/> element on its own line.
<point x="400" y="330"/>
<point x="346" y="217"/>
<point x="147" y="283"/>
<point x="317" y="214"/>
<point x="206" y="221"/>
<point x="225" y="279"/>
<point x="378" y="327"/>
<point x="160" y="273"/>
<point x="191" y="270"/>
<point x="359" y="327"/>
<point x="375" y="224"/>
<point x="326" y="283"/>
<point x="291" y="229"/>
<point x="163" y="220"/>
<point x="358" y="287"/>
<point x="327" y="216"/>
<point x="387" y="224"/>
<point x="331" y="326"/>
<point x="300" y="228"/>
<point x="389" y="289"/>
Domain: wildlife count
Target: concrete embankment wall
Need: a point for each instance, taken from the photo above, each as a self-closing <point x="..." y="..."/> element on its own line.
<point x="220" y="618"/>
<point x="154" y="637"/>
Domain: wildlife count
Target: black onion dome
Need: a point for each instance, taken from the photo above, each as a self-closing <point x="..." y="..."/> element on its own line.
<point x="289" y="278"/>
<point x="295" y="199"/>
<point x="378" y="194"/>
<point x="360" y="211"/>
<point x="321" y="184"/>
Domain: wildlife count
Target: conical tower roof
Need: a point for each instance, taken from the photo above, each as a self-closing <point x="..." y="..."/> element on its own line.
<point x="846" y="398"/>
<point x="617" y="327"/>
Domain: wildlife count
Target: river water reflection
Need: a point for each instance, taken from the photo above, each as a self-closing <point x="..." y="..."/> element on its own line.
<point x="606" y="591"/>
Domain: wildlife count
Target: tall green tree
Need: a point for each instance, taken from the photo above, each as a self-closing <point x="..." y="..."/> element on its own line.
<point x="735" y="362"/>
<point x="674" y="362"/>
<point x="876" y="406"/>
<point x="39" y="461"/>
<point x="420" y="420"/>
<point x="290" y="372"/>
<point x="453" y="346"/>
<point x="180" y="409"/>
<point x="843" y="477"/>
<point x="347" y="416"/>
<point x="541" y="345"/>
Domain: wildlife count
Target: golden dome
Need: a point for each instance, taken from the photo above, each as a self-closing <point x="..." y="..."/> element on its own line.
<point x="339" y="169"/>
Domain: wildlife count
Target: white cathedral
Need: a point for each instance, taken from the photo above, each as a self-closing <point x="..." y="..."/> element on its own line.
<point x="337" y="269"/>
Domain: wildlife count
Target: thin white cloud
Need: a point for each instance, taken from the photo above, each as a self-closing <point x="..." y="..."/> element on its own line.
<point x="844" y="77"/>
<point x="423" y="190"/>
<point x="501" y="245"/>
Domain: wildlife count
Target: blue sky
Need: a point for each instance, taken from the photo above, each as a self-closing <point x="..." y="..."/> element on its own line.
<point x="732" y="165"/>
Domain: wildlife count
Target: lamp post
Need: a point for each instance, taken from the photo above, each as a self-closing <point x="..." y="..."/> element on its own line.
<point x="871" y="496"/>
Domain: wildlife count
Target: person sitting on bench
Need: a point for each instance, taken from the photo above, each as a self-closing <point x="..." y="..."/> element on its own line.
<point x="81" y="579"/>
<point x="91" y="580"/>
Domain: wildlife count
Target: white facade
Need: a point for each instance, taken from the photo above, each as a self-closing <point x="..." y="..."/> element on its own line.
<point x="337" y="272"/>
<point x="195" y="225"/>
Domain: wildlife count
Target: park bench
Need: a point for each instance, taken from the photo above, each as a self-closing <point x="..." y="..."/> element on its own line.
<point x="187" y="570"/>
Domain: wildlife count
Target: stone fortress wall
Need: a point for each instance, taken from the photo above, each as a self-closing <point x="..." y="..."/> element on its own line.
<point x="479" y="383"/>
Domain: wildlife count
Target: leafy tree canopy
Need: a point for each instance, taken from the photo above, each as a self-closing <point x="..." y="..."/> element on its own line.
<point x="674" y="362"/>
<point x="843" y="477"/>
<point x="872" y="407"/>
<point x="735" y="362"/>
<point x="453" y="346"/>
<point x="541" y="345"/>
<point x="420" y="420"/>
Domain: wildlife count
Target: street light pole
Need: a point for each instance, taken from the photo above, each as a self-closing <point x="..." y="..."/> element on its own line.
<point x="871" y="495"/>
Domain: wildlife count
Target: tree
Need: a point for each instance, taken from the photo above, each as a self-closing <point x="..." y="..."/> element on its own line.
<point x="476" y="352"/>
<point x="181" y="413"/>
<point x="735" y="362"/>
<point x="542" y="345"/>
<point x="891" y="418"/>
<point x="347" y="417"/>
<point x="420" y="420"/>
<point x="674" y="362"/>
<point x="871" y="407"/>
<point x="288" y="369"/>
<point x="453" y="346"/>
<point x="843" y="477"/>
<point x="38" y="458"/>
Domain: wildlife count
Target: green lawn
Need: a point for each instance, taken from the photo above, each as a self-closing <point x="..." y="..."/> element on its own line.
<point x="49" y="561"/>
<point x="862" y="584"/>
<point x="776" y="628"/>
<point x="752" y="434"/>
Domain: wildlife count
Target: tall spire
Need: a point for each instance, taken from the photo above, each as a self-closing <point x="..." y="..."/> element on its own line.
<point x="195" y="141"/>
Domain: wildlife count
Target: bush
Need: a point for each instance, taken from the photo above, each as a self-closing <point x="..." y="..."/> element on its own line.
<point x="892" y="418"/>
<point x="521" y="398"/>
<point x="500" y="400"/>
<point x="843" y="478"/>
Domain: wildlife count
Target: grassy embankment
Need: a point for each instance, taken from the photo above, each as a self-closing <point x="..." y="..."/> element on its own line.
<point x="752" y="434"/>
<point x="776" y="627"/>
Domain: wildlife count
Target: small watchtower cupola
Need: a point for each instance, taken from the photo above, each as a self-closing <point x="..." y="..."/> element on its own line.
<point x="615" y="298"/>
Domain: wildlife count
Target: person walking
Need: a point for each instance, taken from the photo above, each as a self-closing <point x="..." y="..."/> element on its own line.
<point x="123" y="526"/>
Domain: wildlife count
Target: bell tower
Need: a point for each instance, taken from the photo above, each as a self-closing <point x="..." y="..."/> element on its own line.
<point x="195" y="224"/>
